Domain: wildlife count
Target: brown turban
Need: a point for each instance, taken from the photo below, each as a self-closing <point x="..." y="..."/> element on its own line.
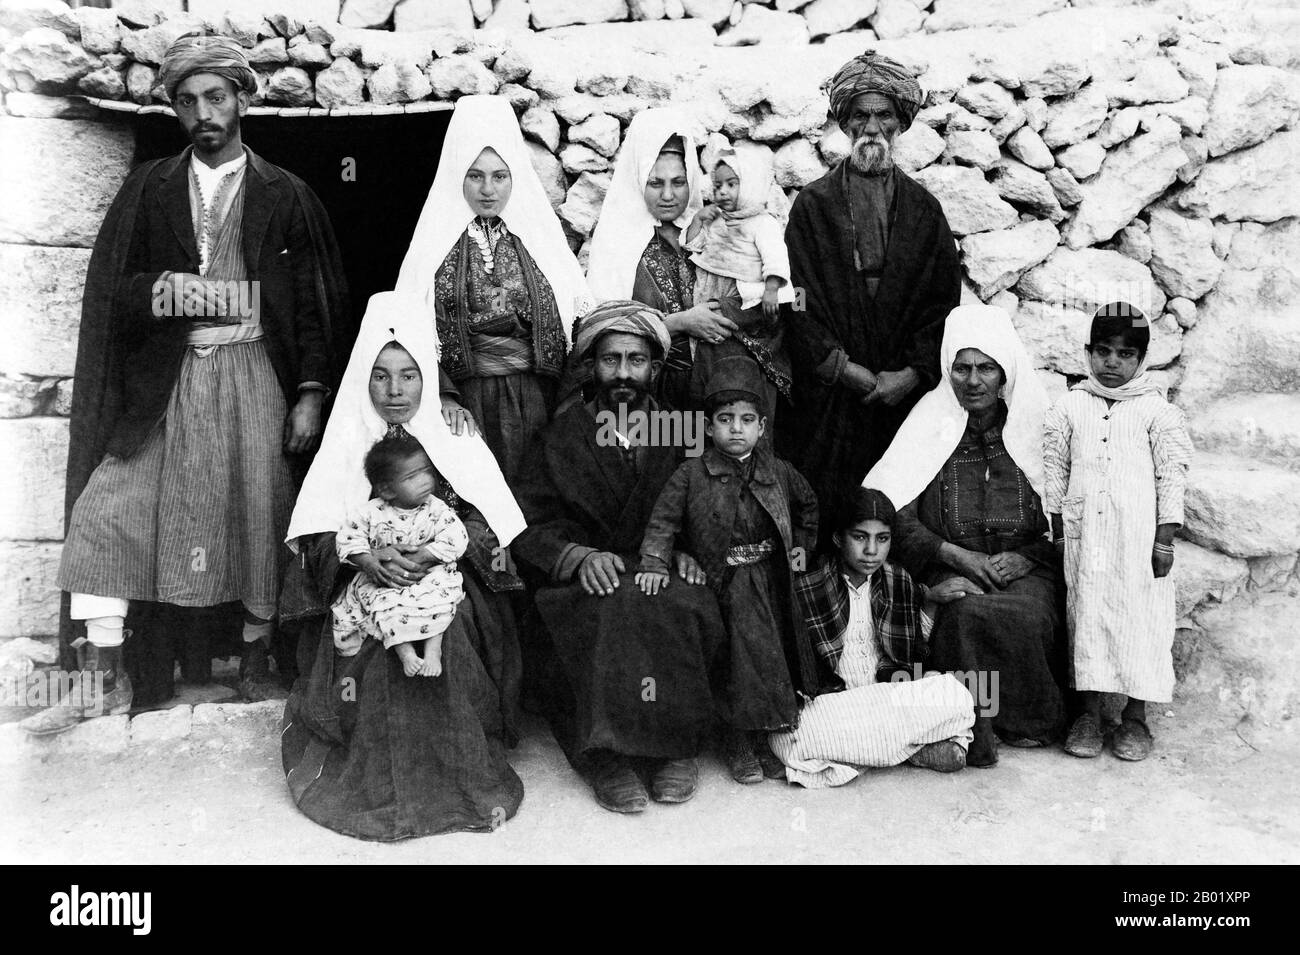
<point x="206" y="54"/>
<point x="631" y="318"/>
<point x="873" y="73"/>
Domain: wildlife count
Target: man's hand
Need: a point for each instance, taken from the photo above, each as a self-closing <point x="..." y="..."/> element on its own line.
<point x="859" y="379"/>
<point x="1011" y="566"/>
<point x="599" y="572"/>
<point x="689" y="569"/>
<point x="893" y="386"/>
<point x="201" y="300"/>
<point x="302" y="427"/>
<point x="457" y="416"/>
<point x="650" y="581"/>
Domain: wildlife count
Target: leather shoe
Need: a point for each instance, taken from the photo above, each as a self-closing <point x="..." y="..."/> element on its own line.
<point x="675" y="780"/>
<point x="741" y="759"/>
<point x="1085" y="738"/>
<point x="768" y="761"/>
<point x="945" y="756"/>
<point x="617" y="786"/>
<point x="1132" y="740"/>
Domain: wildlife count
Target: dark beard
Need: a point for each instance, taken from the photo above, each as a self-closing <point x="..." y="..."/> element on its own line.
<point x="605" y="395"/>
<point x="872" y="157"/>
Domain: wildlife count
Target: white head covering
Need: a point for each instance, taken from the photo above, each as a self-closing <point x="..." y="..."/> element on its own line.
<point x="936" y="425"/>
<point x="477" y="123"/>
<point x="625" y="225"/>
<point x="336" y="483"/>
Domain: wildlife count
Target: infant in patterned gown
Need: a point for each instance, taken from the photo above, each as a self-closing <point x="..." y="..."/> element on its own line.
<point x="381" y="601"/>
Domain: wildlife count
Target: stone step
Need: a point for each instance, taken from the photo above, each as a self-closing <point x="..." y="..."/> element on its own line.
<point x="1241" y="507"/>
<point x="1263" y="428"/>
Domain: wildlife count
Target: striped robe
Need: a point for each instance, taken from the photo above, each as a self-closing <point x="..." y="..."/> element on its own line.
<point x="869" y="723"/>
<point x="1113" y="473"/>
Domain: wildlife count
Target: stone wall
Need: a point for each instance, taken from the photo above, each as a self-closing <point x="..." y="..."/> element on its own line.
<point x="1083" y="151"/>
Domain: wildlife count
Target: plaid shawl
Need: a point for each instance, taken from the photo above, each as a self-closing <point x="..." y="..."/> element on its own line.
<point x="895" y="610"/>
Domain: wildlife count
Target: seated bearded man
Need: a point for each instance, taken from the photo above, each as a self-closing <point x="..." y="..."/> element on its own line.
<point x="629" y="695"/>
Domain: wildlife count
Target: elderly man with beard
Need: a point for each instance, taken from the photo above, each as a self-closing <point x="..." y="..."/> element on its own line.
<point x="877" y="266"/>
<point x="630" y="674"/>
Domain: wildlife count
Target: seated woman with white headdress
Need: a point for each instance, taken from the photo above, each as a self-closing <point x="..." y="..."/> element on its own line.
<point x="966" y="475"/>
<point x="368" y="750"/>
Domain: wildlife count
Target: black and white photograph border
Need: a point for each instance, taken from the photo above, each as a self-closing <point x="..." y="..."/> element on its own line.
<point x="1082" y="152"/>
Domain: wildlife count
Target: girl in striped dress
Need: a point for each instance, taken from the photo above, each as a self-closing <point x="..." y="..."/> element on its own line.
<point x="1116" y="455"/>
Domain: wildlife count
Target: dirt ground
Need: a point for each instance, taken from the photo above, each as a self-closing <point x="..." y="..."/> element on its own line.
<point x="1213" y="792"/>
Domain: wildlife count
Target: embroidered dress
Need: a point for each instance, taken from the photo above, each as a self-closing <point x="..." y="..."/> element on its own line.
<point x="399" y="614"/>
<point x="1115" y="471"/>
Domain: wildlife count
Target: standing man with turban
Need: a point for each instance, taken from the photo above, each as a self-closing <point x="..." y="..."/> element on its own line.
<point x="629" y="683"/>
<point x="872" y="254"/>
<point x="207" y="345"/>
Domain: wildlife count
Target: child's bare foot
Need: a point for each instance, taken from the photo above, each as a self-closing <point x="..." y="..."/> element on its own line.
<point x="432" y="657"/>
<point x="411" y="662"/>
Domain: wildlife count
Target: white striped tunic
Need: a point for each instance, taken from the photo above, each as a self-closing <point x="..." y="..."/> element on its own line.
<point x="870" y="723"/>
<point x="1115" y="471"/>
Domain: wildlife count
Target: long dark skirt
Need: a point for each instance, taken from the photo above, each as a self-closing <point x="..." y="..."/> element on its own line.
<point x="756" y="690"/>
<point x="510" y="410"/>
<point x="632" y="671"/>
<point x="1019" y="634"/>
<point x="375" y="754"/>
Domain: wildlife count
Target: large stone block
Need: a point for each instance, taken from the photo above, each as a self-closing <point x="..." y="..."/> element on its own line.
<point x="1246" y="655"/>
<point x="235" y="725"/>
<point x="914" y="149"/>
<point x="1200" y="574"/>
<point x="455" y="15"/>
<point x="1262" y="427"/>
<point x="964" y="15"/>
<point x="1086" y="279"/>
<point x="1261" y="184"/>
<point x="995" y="260"/>
<point x="550" y="172"/>
<point x="582" y="204"/>
<point x="48" y="57"/>
<point x="1242" y="508"/>
<point x="969" y="201"/>
<point x="558" y="13"/>
<point x="1248" y="105"/>
<point x="1246" y="337"/>
<point x="31" y="487"/>
<point x="1131" y="177"/>
<point x="70" y="171"/>
<point x="1073" y="119"/>
<point x="40" y="304"/>
<point x="1182" y="253"/>
<point x="29" y="602"/>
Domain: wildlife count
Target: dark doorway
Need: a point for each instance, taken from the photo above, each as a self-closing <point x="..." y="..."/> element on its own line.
<point x="374" y="216"/>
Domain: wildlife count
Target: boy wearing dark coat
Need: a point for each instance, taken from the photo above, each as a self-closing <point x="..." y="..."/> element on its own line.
<point x="749" y="519"/>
